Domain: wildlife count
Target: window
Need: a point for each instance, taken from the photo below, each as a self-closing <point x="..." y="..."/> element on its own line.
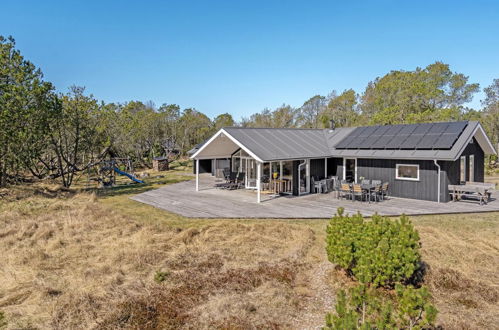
<point x="462" y="176"/>
<point x="407" y="172"/>
<point x="472" y="168"/>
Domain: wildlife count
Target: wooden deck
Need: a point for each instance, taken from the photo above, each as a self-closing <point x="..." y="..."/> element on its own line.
<point x="209" y="202"/>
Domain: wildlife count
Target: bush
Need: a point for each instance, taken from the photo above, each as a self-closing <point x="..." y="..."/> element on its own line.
<point x="3" y="320"/>
<point x="380" y="252"/>
<point x="160" y="276"/>
<point x="367" y="308"/>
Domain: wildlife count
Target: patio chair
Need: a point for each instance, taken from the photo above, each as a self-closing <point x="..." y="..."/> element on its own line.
<point x="366" y="181"/>
<point x="376" y="193"/>
<point x="384" y="190"/>
<point x="344" y="190"/>
<point x="329" y="185"/>
<point x="358" y="191"/>
<point x="376" y="182"/>
<point x="238" y="182"/>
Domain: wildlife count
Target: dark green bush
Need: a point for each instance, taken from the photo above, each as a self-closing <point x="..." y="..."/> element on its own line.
<point x="3" y="320"/>
<point x="362" y="307"/>
<point x="379" y="252"/>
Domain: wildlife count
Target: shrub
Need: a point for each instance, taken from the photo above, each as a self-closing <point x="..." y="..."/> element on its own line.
<point x="364" y="307"/>
<point x="380" y="252"/>
<point x="160" y="276"/>
<point x="3" y="320"/>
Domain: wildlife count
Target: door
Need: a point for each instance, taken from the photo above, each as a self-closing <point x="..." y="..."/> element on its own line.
<point x="304" y="177"/>
<point x="250" y="173"/>
<point x="350" y="169"/>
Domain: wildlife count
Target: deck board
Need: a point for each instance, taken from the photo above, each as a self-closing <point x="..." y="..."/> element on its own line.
<point x="209" y="202"/>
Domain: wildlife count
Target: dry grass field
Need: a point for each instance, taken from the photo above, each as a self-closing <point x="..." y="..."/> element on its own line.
<point x="80" y="260"/>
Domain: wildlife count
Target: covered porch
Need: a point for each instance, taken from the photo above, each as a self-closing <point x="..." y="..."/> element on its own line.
<point x="267" y="178"/>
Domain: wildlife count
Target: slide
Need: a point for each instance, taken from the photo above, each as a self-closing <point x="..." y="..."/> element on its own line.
<point x="131" y="177"/>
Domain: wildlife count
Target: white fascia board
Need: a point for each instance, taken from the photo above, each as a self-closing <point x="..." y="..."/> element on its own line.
<point x="239" y="144"/>
<point x="483" y="141"/>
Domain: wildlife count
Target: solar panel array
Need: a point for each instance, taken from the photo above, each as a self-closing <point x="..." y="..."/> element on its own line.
<point x="412" y="136"/>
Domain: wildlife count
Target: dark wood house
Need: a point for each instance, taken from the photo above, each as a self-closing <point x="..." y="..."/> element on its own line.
<point x="417" y="160"/>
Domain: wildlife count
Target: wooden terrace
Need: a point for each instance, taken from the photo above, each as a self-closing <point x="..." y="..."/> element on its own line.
<point x="210" y="202"/>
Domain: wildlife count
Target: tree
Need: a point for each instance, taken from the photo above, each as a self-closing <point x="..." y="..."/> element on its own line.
<point x="223" y="120"/>
<point x="27" y="104"/>
<point x="311" y="111"/>
<point x="77" y="138"/>
<point x="491" y="111"/>
<point x="434" y="93"/>
<point x="342" y="109"/>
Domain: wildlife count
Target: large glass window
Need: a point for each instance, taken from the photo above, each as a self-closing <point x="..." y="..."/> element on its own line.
<point x="407" y="172"/>
<point x="463" y="169"/>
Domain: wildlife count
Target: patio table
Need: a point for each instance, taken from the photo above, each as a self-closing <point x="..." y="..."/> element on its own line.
<point x="368" y="187"/>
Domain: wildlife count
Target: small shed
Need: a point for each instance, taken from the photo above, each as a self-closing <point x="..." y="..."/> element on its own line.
<point x="160" y="163"/>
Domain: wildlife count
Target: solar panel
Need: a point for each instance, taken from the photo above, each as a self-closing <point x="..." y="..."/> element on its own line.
<point x="456" y="127"/>
<point x="345" y="142"/>
<point x="412" y="136"/>
<point x="368" y="131"/>
<point x="438" y="128"/>
<point x="393" y="130"/>
<point x="411" y="142"/>
<point x="357" y="142"/>
<point x="428" y="141"/>
<point x="381" y="130"/>
<point x="382" y="142"/>
<point x="395" y="142"/>
<point x="422" y="129"/>
<point x="446" y="141"/>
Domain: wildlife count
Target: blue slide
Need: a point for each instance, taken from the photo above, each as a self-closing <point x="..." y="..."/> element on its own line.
<point x="131" y="177"/>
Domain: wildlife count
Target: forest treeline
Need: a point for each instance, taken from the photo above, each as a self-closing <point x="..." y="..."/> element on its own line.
<point x="48" y="134"/>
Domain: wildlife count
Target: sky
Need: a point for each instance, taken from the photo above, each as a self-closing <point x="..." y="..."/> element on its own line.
<point x="243" y="56"/>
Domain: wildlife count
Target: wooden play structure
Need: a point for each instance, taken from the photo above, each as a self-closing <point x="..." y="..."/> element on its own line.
<point x="105" y="172"/>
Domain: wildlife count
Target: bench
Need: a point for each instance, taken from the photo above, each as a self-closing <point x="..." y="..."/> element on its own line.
<point x="475" y="190"/>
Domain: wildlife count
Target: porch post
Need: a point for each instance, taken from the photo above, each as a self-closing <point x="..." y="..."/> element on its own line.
<point x="258" y="181"/>
<point x="197" y="174"/>
<point x="280" y="170"/>
<point x="325" y="168"/>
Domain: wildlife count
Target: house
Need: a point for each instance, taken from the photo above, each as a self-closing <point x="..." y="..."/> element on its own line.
<point x="417" y="160"/>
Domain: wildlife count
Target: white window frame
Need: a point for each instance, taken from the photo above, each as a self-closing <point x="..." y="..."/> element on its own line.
<point x="471" y="168"/>
<point x="462" y="169"/>
<point x="406" y="179"/>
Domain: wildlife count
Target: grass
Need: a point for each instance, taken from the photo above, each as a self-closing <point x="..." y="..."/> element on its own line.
<point x="96" y="259"/>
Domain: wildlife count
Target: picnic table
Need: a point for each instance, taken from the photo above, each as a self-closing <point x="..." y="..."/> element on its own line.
<point x="476" y="190"/>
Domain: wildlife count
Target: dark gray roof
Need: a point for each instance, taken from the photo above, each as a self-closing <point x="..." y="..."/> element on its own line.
<point x="282" y="143"/>
<point x="271" y="144"/>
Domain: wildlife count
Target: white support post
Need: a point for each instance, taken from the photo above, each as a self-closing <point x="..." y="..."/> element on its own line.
<point x="325" y="168"/>
<point x="280" y="170"/>
<point x="197" y="174"/>
<point x="258" y="181"/>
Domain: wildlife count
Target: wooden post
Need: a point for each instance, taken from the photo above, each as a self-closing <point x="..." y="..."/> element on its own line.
<point x="325" y="168"/>
<point x="197" y="174"/>
<point x="258" y="181"/>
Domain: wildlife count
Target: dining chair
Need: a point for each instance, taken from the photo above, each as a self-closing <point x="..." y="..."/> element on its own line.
<point x="344" y="190"/>
<point x="384" y="190"/>
<point x="358" y="191"/>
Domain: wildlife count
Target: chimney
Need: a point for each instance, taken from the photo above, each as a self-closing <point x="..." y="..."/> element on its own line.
<point x="331" y="124"/>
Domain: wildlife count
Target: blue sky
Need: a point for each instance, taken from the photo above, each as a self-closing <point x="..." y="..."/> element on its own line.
<point x="242" y="56"/>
